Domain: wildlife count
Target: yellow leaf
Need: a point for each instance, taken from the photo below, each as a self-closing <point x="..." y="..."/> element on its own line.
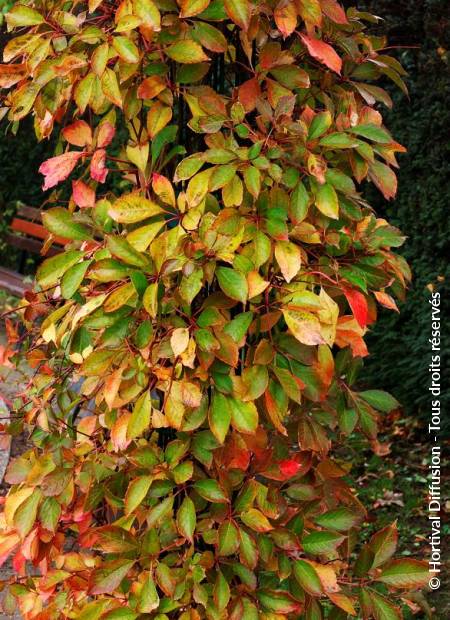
<point x="304" y="326"/>
<point x="179" y="340"/>
<point x="289" y="259"/>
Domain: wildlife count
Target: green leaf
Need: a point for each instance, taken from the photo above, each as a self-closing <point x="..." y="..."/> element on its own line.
<point x="221" y="592"/>
<point x="338" y="141"/>
<point x="126" y="49"/>
<point x="132" y="208"/>
<point x="407" y="573"/>
<point x="110" y="87"/>
<point x="119" y="247"/>
<point x="252" y="180"/>
<point x="114" y="539"/>
<point x="372" y="132"/>
<point x="384" y="178"/>
<point x="256" y="379"/>
<point x="148" y="597"/>
<point x="186" y="52"/>
<point x="140" y="418"/>
<point x="219" y="416"/>
<point x="340" y="519"/>
<point x="278" y="602"/>
<point x="383" y="608"/>
<point x="97" y="363"/>
<point x="239" y="12"/>
<point x="187" y="519"/>
<point x="188" y="167"/>
<point x="383" y="544"/>
<point x="382" y="401"/>
<point x="244" y="416"/>
<point x="73" y="277"/>
<point x="307" y="577"/>
<point x="318" y="543"/>
<point x="237" y="327"/>
<point x="160" y="511"/>
<point x="364" y="561"/>
<point x="25" y="515"/>
<point x="255" y="520"/>
<point x="163" y="138"/>
<point x="59" y="221"/>
<point x="52" y="269"/>
<point x="319" y="125"/>
<point x="137" y="490"/>
<point x="49" y="513"/>
<point x="327" y="201"/>
<point x="298" y="205"/>
<point x="20" y="15"/>
<point x="233" y="283"/>
<point x="210" y="490"/>
<point x="210" y="37"/>
<point x="228" y="538"/>
<point x="107" y="579"/>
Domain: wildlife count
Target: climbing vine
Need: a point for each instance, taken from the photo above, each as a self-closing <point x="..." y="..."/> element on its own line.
<point x="195" y="348"/>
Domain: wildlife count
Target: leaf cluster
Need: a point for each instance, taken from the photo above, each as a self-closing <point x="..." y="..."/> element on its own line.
<point x="197" y="343"/>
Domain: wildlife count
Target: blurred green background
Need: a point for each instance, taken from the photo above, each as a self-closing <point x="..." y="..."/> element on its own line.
<point x="419" y="32"/>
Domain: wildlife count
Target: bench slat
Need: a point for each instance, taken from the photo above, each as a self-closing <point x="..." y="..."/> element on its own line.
<point x="13" y="282"/>
<point x="29" y="213"/>
<point x="29" y="244"/>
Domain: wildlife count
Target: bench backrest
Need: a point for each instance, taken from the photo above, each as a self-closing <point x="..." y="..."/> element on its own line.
<point x="27" y="232"/>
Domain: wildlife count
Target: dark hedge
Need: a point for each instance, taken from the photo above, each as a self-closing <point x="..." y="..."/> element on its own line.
<point x="399" y="347"/>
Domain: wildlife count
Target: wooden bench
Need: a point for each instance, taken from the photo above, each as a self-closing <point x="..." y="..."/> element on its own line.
<point x="26" y="233"/>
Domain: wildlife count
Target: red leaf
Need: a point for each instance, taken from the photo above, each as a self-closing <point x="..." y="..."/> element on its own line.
<point x="334" y="11"/>
<point x="99" y="170"/>
<point x="249" y="92"/>
<point x="106" y="133"/>
<point x="57" y="169"/>
<point x="83" y="195"/>
<point x="358" y="304"/>
<point x="289" y="468"/>
<point x="323" y="52"/>
<point x="78" y="133"/>
<point x="18" y="562"/>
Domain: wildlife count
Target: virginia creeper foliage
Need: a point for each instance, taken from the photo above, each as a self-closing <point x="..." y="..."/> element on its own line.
<point x="196" y="345"/>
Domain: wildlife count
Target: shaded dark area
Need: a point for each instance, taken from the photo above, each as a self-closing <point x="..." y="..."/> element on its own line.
<point x="20" y="158"/>
<point x="400" y="351"/>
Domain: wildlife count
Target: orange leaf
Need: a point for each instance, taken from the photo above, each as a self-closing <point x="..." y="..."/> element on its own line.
<point x="249" y="92"/>
<point x="286" y="17"/>
<point x="151" y="87"/>
<point x="106" y="133"/>
<point x="78" y="133"/>
<point x="386" y="300"/>
<point x="83" y="195"/>
<point x="323" y="52"/>
<point x="11" y="74"/>
<point x="358" y="304"/>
